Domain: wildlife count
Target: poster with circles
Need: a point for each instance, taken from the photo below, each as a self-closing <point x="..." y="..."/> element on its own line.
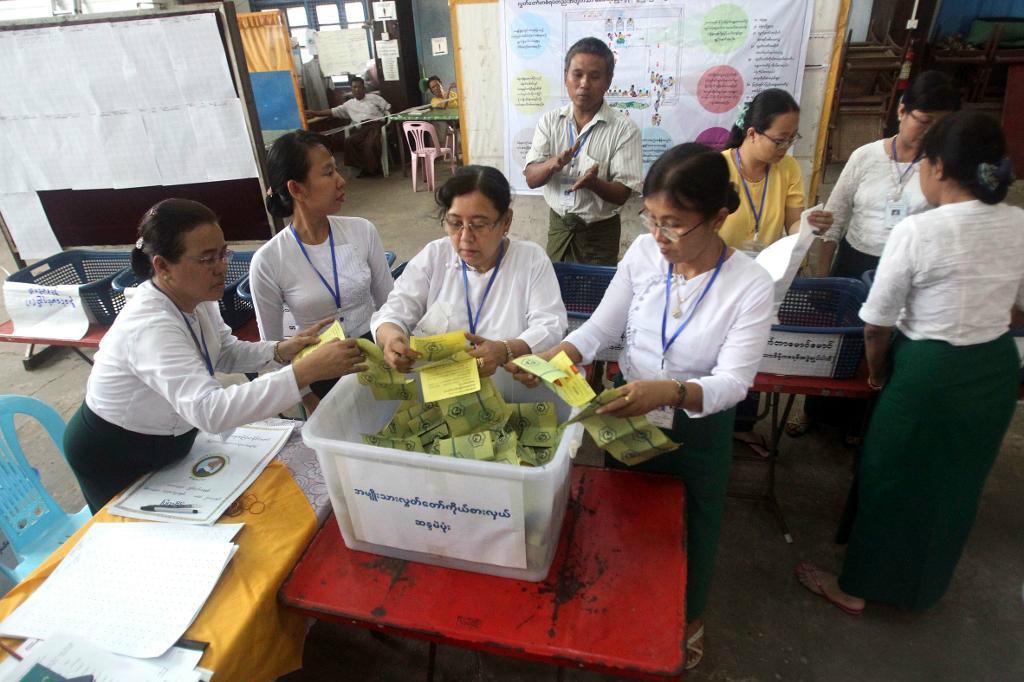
<point x="683" y="68"/>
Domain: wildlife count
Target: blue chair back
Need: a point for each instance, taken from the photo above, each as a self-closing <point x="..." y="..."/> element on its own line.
<point x="390" y="257"/>
<point x="29" y="516"/>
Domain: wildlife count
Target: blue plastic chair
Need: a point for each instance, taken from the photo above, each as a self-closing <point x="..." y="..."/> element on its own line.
<point x="390" y="257"/>
<point x="33" y="522"/>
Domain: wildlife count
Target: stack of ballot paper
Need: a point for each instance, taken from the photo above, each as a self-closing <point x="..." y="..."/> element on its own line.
<point x="199" y="488"/>
<point x="127" y="589"/>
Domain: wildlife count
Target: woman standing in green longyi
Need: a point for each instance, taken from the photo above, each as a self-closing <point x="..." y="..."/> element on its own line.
<point x="947" y="281"/>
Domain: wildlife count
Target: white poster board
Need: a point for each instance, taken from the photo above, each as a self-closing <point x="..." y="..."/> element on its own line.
<point x="457" y="515"/>
<point x="344" y="51"/>
<point x="683" y="69"/>
<point x="50" y="312"/>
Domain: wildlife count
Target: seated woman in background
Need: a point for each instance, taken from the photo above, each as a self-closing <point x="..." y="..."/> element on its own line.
<point x="322" y="265"/>
<point x="152" y="386"/>
<point x="442" y="99"/>
<point x="938" y="349"/>
<point x="696" y="315"/>
<point x="503" y="291"/>
<point x="770" y="183"/>
<point x="879" y="184"/>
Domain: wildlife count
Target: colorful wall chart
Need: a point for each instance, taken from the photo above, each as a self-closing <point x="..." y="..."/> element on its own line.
<point x="682" y="67"/>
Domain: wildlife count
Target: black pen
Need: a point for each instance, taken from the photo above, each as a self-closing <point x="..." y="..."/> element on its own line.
<point x="182" y="508"/>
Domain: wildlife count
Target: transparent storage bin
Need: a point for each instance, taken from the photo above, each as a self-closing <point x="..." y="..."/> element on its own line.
<point x="335" y="433"/>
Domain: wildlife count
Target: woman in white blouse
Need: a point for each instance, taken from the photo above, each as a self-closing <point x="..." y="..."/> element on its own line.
<point x="938" y="348"/>
<point x="879" y="184"/>
<point x="696" y="316"/>
<point x="502" y="291"/>
<point x="153" y="386"/>
<point x="322" y="265"/>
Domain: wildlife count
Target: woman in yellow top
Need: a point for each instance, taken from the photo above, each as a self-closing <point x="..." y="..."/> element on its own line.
<point x="770" y="183"/>
<point x="442" y="99"/>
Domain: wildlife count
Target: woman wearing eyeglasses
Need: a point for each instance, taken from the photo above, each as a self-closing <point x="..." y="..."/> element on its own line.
<point x="322" y="265"/>
<point x="696" y="314"/>
<point x="879" y="184"/>
<point x="152" y="385"/>
<point x="770" y="183"/>
<point x="503" y="291"/>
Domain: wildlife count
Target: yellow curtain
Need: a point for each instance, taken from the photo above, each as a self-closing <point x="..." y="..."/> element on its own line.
<point x="265" y="41"/>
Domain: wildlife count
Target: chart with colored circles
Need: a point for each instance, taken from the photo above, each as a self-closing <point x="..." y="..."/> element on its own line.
<point x="683" y="68"/>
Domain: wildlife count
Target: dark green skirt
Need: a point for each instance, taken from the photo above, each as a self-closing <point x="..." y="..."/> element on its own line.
<point x="106" y="458"/>
<point x="933" y="438"/>
<point x="573" y="241"/>
<point x="703" y="463"/>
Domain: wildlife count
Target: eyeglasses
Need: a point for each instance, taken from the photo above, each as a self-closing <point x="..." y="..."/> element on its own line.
<point x="210" y="261"/>
<point x="454" y="227"/>
<point x="672" y="233"/>
<point x="784" y="143"/>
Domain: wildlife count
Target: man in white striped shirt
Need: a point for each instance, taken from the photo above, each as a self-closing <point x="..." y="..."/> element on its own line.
<point x="587" y="157"/>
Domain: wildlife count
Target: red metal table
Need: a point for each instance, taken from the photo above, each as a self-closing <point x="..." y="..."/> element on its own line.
<point x="247" y="332"/>
<point x="613" y="601"/>
<point x="774" y="386"/>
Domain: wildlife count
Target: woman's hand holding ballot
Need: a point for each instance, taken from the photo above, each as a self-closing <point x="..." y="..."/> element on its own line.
<point x="335" y="358"/>
<point x="395" y="343"/>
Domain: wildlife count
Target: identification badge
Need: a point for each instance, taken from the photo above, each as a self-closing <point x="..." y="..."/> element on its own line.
<point x="895" y="211"/>
<point x="663" y="417"/>
<point x="567" y="198"/>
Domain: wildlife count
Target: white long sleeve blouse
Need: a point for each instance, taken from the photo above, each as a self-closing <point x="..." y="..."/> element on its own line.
<point x="720" y="348"/>
<point x="280" y="275"/>
<point x="150" y="376"/>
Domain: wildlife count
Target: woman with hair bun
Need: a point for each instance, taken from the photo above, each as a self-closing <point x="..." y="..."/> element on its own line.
<point x="502" y="290"/>
<point x="152" y="386"/>
<point x="696" y="314"/>
<point x="938" y="350"/>
<point x="322" y="265"/>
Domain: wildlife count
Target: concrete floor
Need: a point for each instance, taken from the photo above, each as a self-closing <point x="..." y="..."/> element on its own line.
<point x="761" y="624"/>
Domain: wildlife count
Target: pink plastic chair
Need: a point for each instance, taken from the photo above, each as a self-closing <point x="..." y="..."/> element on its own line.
<point x="419" y="148"/>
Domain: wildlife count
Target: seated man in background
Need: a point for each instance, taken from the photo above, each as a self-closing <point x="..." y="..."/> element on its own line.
<point x="363" y="145"/>
<point x="442" y="99"/>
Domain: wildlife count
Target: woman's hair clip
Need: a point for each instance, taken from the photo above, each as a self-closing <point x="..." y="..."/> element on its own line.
<point x="138" y="244"/>
<point x="270" y="192"/>
<point x="991" y="176"/>
<point x="741" y="119"/>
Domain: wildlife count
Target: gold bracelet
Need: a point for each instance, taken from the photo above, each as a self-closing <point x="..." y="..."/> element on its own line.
<point x="277" y="354"/>
<point x="509" y="356"/>
<point x="680" y="392"/>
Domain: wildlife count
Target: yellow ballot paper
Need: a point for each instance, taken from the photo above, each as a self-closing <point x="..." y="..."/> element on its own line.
<point x="439" y="346"/>
<point x="332" y="332"/>
<point x="574" y="389"/>
<point x="450" y="380"/>
<point x="561" y="375"/>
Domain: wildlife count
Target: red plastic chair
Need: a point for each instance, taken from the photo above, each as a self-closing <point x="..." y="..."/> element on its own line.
<point x="419" y="148"/>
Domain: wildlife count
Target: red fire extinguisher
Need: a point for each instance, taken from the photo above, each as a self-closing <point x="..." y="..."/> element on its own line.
<point x="908" y="61"/>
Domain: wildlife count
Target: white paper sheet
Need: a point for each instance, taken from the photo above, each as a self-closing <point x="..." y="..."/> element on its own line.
<point x="129" y="595"/>
<point x="145" y="65"/>
<point x="215" y="472"/>
<point x="85" y="161"/>
<point x="131" y="161"/>
<point x="200" y="64"/>
<point x="101" y="59"/>
<point x="344" y="51"/>
<point x="29" y="227"/>
<point x="783" y="258"/>
<point x="50" y="79"/>
<point x="388" y="48"/>
<point x="16" y="79"/>
<point x="48" y="312"/>
<point x="13" y="175"/>
<point x="390" y="67"/>
<point x="456" y="515"/>
<point x="223" y="139"/>
<point x="173" y="143"/>
<point x="39" y="151"/>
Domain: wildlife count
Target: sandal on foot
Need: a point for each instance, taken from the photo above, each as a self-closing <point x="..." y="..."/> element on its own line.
<point x="808" y="575"/>
<point x="695" y="647"/>
<point x="798" y="426"/>
<point x="759" y="445"/>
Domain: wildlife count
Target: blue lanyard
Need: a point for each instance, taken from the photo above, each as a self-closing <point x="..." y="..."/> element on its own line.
<point x="909" y="168"/>
<point x="572" y="136"/>
<point x="760" y="211"/>
<point x="465" y="280"/>
<point x="666" y="344"/>
<point x="336" y="291"/>
<point x="200" y="345"/>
